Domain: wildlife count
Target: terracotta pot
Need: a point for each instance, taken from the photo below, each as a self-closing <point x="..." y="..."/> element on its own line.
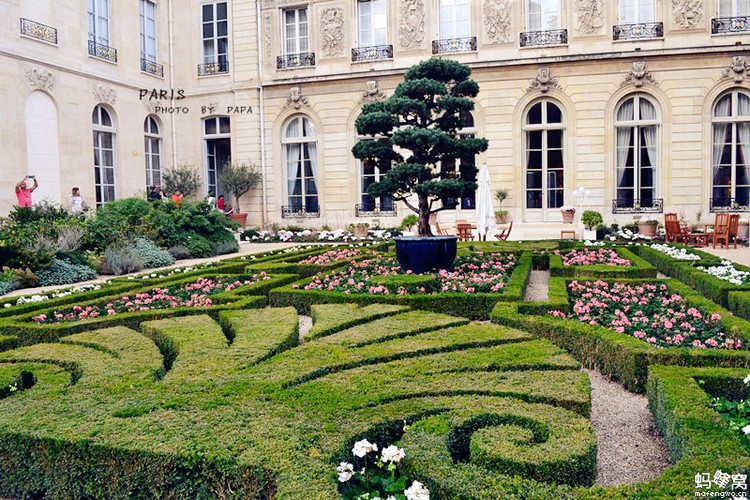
<point x="647" y="228"/>
<point x="568" y="216"/>
<point x="360" y="231"/>
<point x="240" y="219"/>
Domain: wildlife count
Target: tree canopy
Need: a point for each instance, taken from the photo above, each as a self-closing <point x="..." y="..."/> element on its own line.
<point x="416" y="131"/>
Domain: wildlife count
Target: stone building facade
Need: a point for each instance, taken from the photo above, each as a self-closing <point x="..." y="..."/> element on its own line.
<point x="645" y="104"/>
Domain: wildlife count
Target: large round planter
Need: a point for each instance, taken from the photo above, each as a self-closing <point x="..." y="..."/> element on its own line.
<point x="647" y="228"/>
<point x="240" y="219"/>
<point x="424" y="254"/>
<point x="568" y="216"/>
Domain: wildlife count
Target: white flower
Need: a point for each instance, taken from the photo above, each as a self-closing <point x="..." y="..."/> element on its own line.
<point x="746" y="429"/>
<point x="362" y="448"/>
<point x="393" y="454"/>
<point x="417" y="491"/>
<point x="391" y="497"/>
<point x="6" y="305"/>
<point x="346" y="471"/>
<point x="747" y="379"/>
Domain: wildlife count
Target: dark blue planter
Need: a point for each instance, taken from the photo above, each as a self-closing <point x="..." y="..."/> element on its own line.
<point x="421" y="255"/>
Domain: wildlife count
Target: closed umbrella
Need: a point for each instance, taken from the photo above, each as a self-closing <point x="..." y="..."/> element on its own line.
<point x="485" y="210"/>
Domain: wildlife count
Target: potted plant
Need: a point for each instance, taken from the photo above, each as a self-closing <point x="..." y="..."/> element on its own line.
<point x="360" y="229"/>
<point x="421" y="120"/>
<point x="591" y="220"/>
<point x="238" y="179"/>
<point x="501" y="216"/>
<point x="568" y="213"/>
<point x="409" y="222"/>
<point x="647" y="226"/>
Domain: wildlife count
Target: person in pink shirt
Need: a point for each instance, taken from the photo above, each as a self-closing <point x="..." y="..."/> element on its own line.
<point x="24" y="194"/>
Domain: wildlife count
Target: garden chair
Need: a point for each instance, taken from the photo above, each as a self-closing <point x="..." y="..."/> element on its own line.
<point x="438" y="230"/>
<point x="504" y="232"/>
<point x="721" y="229"/>
<point x="464" y="232"/>
<point x="677" y="232"/>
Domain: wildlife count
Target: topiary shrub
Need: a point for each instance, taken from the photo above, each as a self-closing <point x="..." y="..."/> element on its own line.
<point x="119" y="259"/>
<point x="151" y="255"/>
<point x="62" y="272"/>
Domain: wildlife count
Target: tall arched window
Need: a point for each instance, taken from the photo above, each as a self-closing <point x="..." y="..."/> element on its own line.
<point x="300" y="155"/>
<point x="544" y="159"/>
<point x="104" y="155"/>
<point x="637" y="146"/>
<point x="152" y="151"/>
<point x="372" y="171"/>
<point x="467" y="128"/>
<point x="730" y="180"/>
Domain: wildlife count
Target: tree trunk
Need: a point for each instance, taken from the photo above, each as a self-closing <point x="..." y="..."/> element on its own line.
<point x="424" y="217"/>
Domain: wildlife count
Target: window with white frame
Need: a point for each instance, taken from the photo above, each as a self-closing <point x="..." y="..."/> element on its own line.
<point x="299" y="147"/>
<point x="215" y="33"/>
<point x="637" y="152"/>
<point x="296" y="36"/>
<point x="734" y="8"/>
<point x="730" y="156"/>
<point x="148" y="30"/>
<point x="98" y="17"/>
<point x="455" y="18"/>
<point x="152" y="151"/>
<point x="104" y="155"/>
<point x="218" y="146"/>
<point x="372" y="171"/>
<point x="372" y="22"/>
<point x="544" y="159"/>
<point x="453" y="168"/>
<point x="637" y="11"/>
<point x="542" y="15"/>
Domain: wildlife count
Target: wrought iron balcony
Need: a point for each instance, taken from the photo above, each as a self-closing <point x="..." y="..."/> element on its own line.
<point x="301" y="60"/>
<point x="102" y="51"/>
<point x="721" y="25"/>
<point x="542" y="38"/>
<point x="636" y="206"/>
<point x="373" y="53"/>
<point x="152" y="68"/>
<point x="214" y="68"/>
<point x="298" y="211"/>
<point x="373" y="210"/>
<point x="719" y="205"/>
<point x="454" y="45"/>
<point x="637" y="31"/>
<point x="39" y="31"/>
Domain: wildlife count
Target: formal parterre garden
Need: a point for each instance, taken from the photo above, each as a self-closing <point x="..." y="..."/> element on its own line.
<point x="194" y="382"/>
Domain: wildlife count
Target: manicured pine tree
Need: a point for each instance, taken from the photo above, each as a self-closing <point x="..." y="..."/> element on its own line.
<point x="422" y="117"/>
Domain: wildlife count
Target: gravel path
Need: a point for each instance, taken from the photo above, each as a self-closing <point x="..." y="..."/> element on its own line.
<point x="538" y="288"/>
<point x="305" y="323"/>
<point x="631" y="450"/>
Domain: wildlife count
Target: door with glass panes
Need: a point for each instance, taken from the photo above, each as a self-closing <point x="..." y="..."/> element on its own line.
<point x="544" y="162"/>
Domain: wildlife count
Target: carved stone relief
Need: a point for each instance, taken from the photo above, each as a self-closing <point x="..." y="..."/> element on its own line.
<point x="497" y="20"/>
<point x="332" y="28"/>
<point x="41" y="79"/>
<point x="687" y="13"/>
<point x="737" y="69"/>
<point x="590" y="16"/>
<point x="105" y="94"/>
<point x="267" y="35"/>
<point x="296" y="99"/>
<point x="372" y="92"/>
<point x="411" y="24"/>
<point x="150" y="105"/>
<point x="638" y="75"/>
<point x="543" y="81"/>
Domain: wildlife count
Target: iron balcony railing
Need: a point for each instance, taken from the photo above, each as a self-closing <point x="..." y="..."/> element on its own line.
<point x="297" y="211"/>
<point x="301" y="60"/>
<point x="636" y="206"/>
<point x="454" y="45"/>
<point x="719" y="205"/>
<point x="372" y="53"/>
<point x="721" y="25"/>
<point x="102" y="51"/>
<point x="39" y="31"/>
<point x="374" y="210"/>
<point x="214" y="68"/>
<point x="152" y="68"/>
<point x="637" y="31"/>
<point x="541" y="38"/>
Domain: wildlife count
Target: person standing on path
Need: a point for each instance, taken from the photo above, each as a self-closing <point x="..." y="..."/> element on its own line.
<point x="24" y="194"/>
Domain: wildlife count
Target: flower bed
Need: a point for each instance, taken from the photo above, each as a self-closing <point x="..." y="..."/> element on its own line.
<point x="648" y="312"/>
<point x="727" y="272"/>
<point x="478" y="273"/>
<point x="678" y="253"/>
<point x="194" y="294"/>
<point x="332" y="256"/>
<point x="586" y="257"/>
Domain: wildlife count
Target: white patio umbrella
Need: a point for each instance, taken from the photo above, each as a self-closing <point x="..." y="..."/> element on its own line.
<point x="483" y="200"/>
